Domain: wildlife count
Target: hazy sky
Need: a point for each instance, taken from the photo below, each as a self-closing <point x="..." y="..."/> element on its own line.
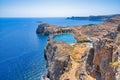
<point x="57" y="8"/>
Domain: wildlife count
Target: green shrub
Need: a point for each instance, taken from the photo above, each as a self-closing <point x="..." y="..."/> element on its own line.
<point x="84" y="41"/>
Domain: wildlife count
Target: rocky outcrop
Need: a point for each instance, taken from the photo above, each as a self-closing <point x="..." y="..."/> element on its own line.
<point x="47" y="29"/>
<point x="57" y="61"/>
<point x="105" y="63"/>
<point x="116" y="56"/>
<point x="44" y="29"/>
<point x="103" y="50"/>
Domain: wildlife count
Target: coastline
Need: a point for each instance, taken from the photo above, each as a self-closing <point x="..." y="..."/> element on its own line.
<point x="55" y="52"/>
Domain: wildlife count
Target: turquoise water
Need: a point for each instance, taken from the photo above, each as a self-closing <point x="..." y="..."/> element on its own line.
<point x="22" y="50"/>
<point x="67" y="38"/>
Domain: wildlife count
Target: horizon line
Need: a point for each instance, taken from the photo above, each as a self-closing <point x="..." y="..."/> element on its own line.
<point x="55" y="16"/>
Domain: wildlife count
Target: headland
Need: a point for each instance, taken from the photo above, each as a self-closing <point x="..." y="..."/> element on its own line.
<point x="95" y="55"/>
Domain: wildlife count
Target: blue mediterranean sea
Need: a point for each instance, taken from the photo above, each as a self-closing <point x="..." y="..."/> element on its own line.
<point x="22" y="50"/>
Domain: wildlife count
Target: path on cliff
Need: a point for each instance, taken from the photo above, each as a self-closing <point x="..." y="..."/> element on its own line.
<point x="73" y="69"/>
<point x="71" y="73"/>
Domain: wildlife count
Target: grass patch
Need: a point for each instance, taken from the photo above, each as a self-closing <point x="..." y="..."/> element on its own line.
<point x="114" y="64"/>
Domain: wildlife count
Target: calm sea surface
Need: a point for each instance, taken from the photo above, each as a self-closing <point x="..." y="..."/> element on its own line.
<point x="22" y="50"/>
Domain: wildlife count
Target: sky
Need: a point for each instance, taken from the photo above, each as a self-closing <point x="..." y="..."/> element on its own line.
<point x="58" y="8"/>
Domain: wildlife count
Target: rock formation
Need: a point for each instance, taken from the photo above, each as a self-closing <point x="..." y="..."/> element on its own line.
<point x="95" y="56"/>
<point x="57" y="60"/>
<point x="47" y="29"/>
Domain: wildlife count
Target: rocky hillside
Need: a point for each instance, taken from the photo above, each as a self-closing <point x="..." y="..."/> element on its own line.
<point x="95" y="56"/>
<point x="99" y="17"/>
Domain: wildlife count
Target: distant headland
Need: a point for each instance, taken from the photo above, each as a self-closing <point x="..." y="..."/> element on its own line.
<point x="99" y="17"/>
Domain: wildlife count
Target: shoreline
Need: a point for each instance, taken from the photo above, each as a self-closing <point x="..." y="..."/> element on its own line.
<point x="65" y="55"/>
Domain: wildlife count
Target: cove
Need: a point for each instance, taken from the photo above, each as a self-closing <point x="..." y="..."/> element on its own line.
<point x="67" y="38"/>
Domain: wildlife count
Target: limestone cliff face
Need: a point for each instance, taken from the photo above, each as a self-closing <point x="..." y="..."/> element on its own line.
<point x="57" y="60"/>
<point x="105" y="63"/>
<point x="103" y="50"/>
<point x="42" y="29"/>
<point x="47" y="29"/>
<point x="116" y="55"/>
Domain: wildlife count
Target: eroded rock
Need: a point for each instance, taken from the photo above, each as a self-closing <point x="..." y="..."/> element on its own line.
<point x="57" y="61"/>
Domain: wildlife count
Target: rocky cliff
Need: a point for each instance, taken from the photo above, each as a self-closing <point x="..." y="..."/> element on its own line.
<point x="47" y="29"/>
<point x="105" y="63"/>
<point x="95" y="56"/>
<point x="57" y="59"/>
